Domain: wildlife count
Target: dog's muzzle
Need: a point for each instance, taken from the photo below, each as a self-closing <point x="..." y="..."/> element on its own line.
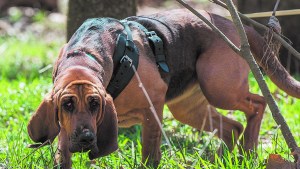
<point x="82" y="141"/>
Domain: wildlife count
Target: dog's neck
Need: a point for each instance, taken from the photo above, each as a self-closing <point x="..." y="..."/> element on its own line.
<point x="85" y="60"/>
<point x="92" y="47"/>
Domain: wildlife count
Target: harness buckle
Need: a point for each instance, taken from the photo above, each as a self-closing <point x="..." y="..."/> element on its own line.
<point x="150" y="33"/>
<point x="126" y="58"/>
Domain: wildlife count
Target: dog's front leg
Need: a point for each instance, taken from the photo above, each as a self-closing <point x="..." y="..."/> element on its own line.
<point x="151" y="136"/>
<point x="63" y="156"/>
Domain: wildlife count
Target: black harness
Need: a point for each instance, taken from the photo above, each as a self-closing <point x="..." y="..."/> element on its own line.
<point x="126" y="56"/>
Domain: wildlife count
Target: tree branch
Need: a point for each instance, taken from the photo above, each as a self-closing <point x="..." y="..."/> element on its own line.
<point x="214" y="28"/>
<point x="246" y="54"/>
<point x="263" y="27"/>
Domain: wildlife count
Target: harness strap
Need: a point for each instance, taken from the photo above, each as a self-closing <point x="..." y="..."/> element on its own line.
<point x="156" y="45"/>
<point x="126" y="55"/>
<point x="119" y="81"/>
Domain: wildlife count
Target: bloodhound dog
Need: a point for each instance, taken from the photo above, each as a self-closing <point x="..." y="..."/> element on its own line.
<point x="203" y="73"/>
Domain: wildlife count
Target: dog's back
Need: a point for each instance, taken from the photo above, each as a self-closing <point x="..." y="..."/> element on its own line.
<point x="179" y="29"/>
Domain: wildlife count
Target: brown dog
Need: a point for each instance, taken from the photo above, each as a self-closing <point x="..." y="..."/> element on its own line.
<point x="81" y="111"/>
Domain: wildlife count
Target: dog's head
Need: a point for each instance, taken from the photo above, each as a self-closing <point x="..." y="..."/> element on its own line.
<point x="80" y="105"/>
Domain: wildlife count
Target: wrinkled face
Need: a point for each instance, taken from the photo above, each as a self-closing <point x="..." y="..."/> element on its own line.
<point x="80" y="109"/>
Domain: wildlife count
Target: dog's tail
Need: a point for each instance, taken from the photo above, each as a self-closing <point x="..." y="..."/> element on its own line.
<point x="269" y="62"/>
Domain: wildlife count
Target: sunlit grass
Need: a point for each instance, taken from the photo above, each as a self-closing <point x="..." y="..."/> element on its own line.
<point x="20" y="98"/>
<point x="24" y="56"/>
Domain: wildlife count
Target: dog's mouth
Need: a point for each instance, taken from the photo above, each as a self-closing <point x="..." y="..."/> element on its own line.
<point x="82" y="142"/>
<point x="82" y="146"/>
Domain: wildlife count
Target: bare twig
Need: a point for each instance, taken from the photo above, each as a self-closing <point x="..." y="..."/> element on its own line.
<point x="275" y="8"/>
<point x="231" y="45"/>
<point x="246" y="53"/>
<point x="36" y="147"/>
<point x="201" y="151"/>
<point x="263" y="27"/>
<point x="267" y="14"/>
<point x="152" y="107"/>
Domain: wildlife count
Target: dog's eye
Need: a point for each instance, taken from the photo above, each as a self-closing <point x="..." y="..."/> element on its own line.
<point x="94" y="104"/>
<point x="69" y="105"/>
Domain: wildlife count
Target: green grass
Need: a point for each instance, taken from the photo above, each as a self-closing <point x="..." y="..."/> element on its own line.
<point x="21" y="97"/>
<point x="22" y="88"/>
<point x="23" y="57"/>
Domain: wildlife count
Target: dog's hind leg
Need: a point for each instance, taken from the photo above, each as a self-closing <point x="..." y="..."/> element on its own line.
<point x="223" y="77"/>
<point x="254" y="107"/>
<point x="193" y="109"/>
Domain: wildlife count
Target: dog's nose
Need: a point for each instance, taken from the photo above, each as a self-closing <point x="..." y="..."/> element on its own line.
<point x="86" y="136"/>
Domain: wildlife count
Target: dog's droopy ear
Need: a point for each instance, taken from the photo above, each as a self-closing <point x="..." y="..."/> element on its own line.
<point x="43" y="125"/>
<point x="107" y="131"/>
<point x="58" y="60"/>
